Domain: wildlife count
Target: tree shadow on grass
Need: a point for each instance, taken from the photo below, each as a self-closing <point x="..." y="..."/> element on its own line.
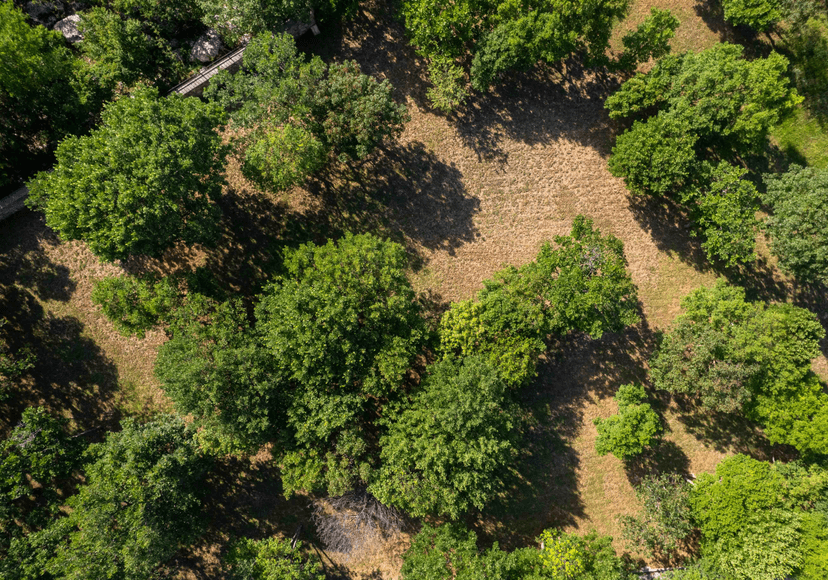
<point x="666" y="457"/>
<point x="70" y="373"/>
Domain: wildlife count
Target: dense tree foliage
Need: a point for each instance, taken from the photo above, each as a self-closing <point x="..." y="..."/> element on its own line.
<point x="733" y="355"/>
<point x="36" y="459"/>
<point x="137" y="304"/>
<point x="215" y="369"/>
<point x="580" y="284"/>
<point x="798" y="226"/>
<point x="344" y="328"/>
<point x="712" y="104"/>
<point x="499" y="36"/>
<point x="634" y="428"/>
<point x="145" y="179"/>
<point x="301" y="112"/>
<point x="760" y="15"/>
<point x="665" y="520"/>
<point x="271" y="559"/>
<point x="745" y="529"/>
<point x="140" y="503"/>
<point x="449" y="552"/>
<point x="448" y="451"/>
<point x="236" y="18"/>
<point x="45" y="92"/>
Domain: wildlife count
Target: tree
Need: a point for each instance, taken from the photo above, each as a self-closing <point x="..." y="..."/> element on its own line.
<point x="760" y="15"/>
<point x="632" y="430"/>
<point x="744" y="529"/>
<point x="344" y="328"/>
<point x="302" y="112"/>
<point x="145" y="179"/>
<point x="215" y="368"/>
<point x="733" y="355"/>
<point x="41" y="94"/>
<point x="141" y="502"/>
<point x="582" y="284"/>
<point x="272" y="559"/>
<point x="36" y="460"/>
<point x="798" y="226"/>
<point x="650" y="40"/>
<point x="135" y="305"/>
<point x="126" y="50"/>
<point x="236" y="18"/>
<point x="448" y="451"/>
<point x="569" y="557"/>
<point x="665" y="520"/>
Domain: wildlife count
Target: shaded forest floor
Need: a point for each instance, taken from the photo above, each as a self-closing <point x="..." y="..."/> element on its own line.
<point x="466" y="194"/>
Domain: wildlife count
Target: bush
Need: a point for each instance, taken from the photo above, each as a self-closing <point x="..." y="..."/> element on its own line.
<point x="271" y="559"/>
<point x="632" y="430"/>
<point x="283" y="156"/>
<point x="236" y="18"/>
<point x="798" y="226"/>
<point x="449" y="450"/>
<point x="650" y="40"/>
<point x="135" y="305"/>
<point x="449" y="91"/>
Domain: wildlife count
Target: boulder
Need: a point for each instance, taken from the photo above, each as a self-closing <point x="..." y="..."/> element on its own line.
<point x="45" y="13"/>
<point x="207" y="47"/>
<point x="69" y="28"/>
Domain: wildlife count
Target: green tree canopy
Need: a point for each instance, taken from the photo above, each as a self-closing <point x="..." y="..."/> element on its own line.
<point x="236" y="18"/>
<point x="141" y="502"/>
<point x="36" y="460"/>
<point x="302" y="112"/>
<point x="42" y="93"/>
<point x="344" y="328"/>
<point x="733" y="355"/>
<point x="145" y="179"/>
<point x="798" y="226"/>
<point x="448" y="451"/>
<point x="665" y="520"/>
<point x="215" y="368"/>
<point x="272" y="559"/>
<point x="760" y="15"/>
<point x="137" y="304"/>
<point x="633" y="429"/>
<point x="745" y="529"/>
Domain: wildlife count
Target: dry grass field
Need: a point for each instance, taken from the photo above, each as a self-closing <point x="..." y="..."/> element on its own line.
<point x="466" y="194"/>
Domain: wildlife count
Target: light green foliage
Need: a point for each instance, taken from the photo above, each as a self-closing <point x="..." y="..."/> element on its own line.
<point x="140" y="503"/>
<point x="745" y="531"/>
<point x="41" y="98"/>
<point x="125" y="50"/>
<point x="760" y="15"/>
<point x="344" y="327"/>
<point x="283" y="156"/>
<point x="448" y="451"/>
<point x="272" y="559"/>
<point x="709" y="104"/>
<point x="664" y="522"/>
<point x="215" y="369"/>
<point x="135" y="304"/>
<point x="570" y="557"/>
<point x="581" y="284"/>
<point x="143" y="180"/>
<point x="655" y="157"/>
<point x="650" y="40"/>
<point x="308" y="108"/>
<point x="35" y="460"/>
<point x="449" y="90"/>
<point x="633" y="429"/>
<point x="814" y="564"/>
<point x="168" y="15"/>
<point x="235" y="18"/>
<point x="724" y="209"/>
<point x="732" y="355"/>
<point x="798" y="226"/>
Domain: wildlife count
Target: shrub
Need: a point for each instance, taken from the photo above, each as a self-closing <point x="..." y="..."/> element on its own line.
<point x="272" y="559"/>
<point x="632" y="430"/>
<point x="135" y="305"/>
<point x="760" y="15"/>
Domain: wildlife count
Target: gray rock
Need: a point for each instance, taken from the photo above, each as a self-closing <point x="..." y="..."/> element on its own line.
<point x="69" y="28"/>
<point x="207" y="47"/>
<point x="45" y="13"/>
